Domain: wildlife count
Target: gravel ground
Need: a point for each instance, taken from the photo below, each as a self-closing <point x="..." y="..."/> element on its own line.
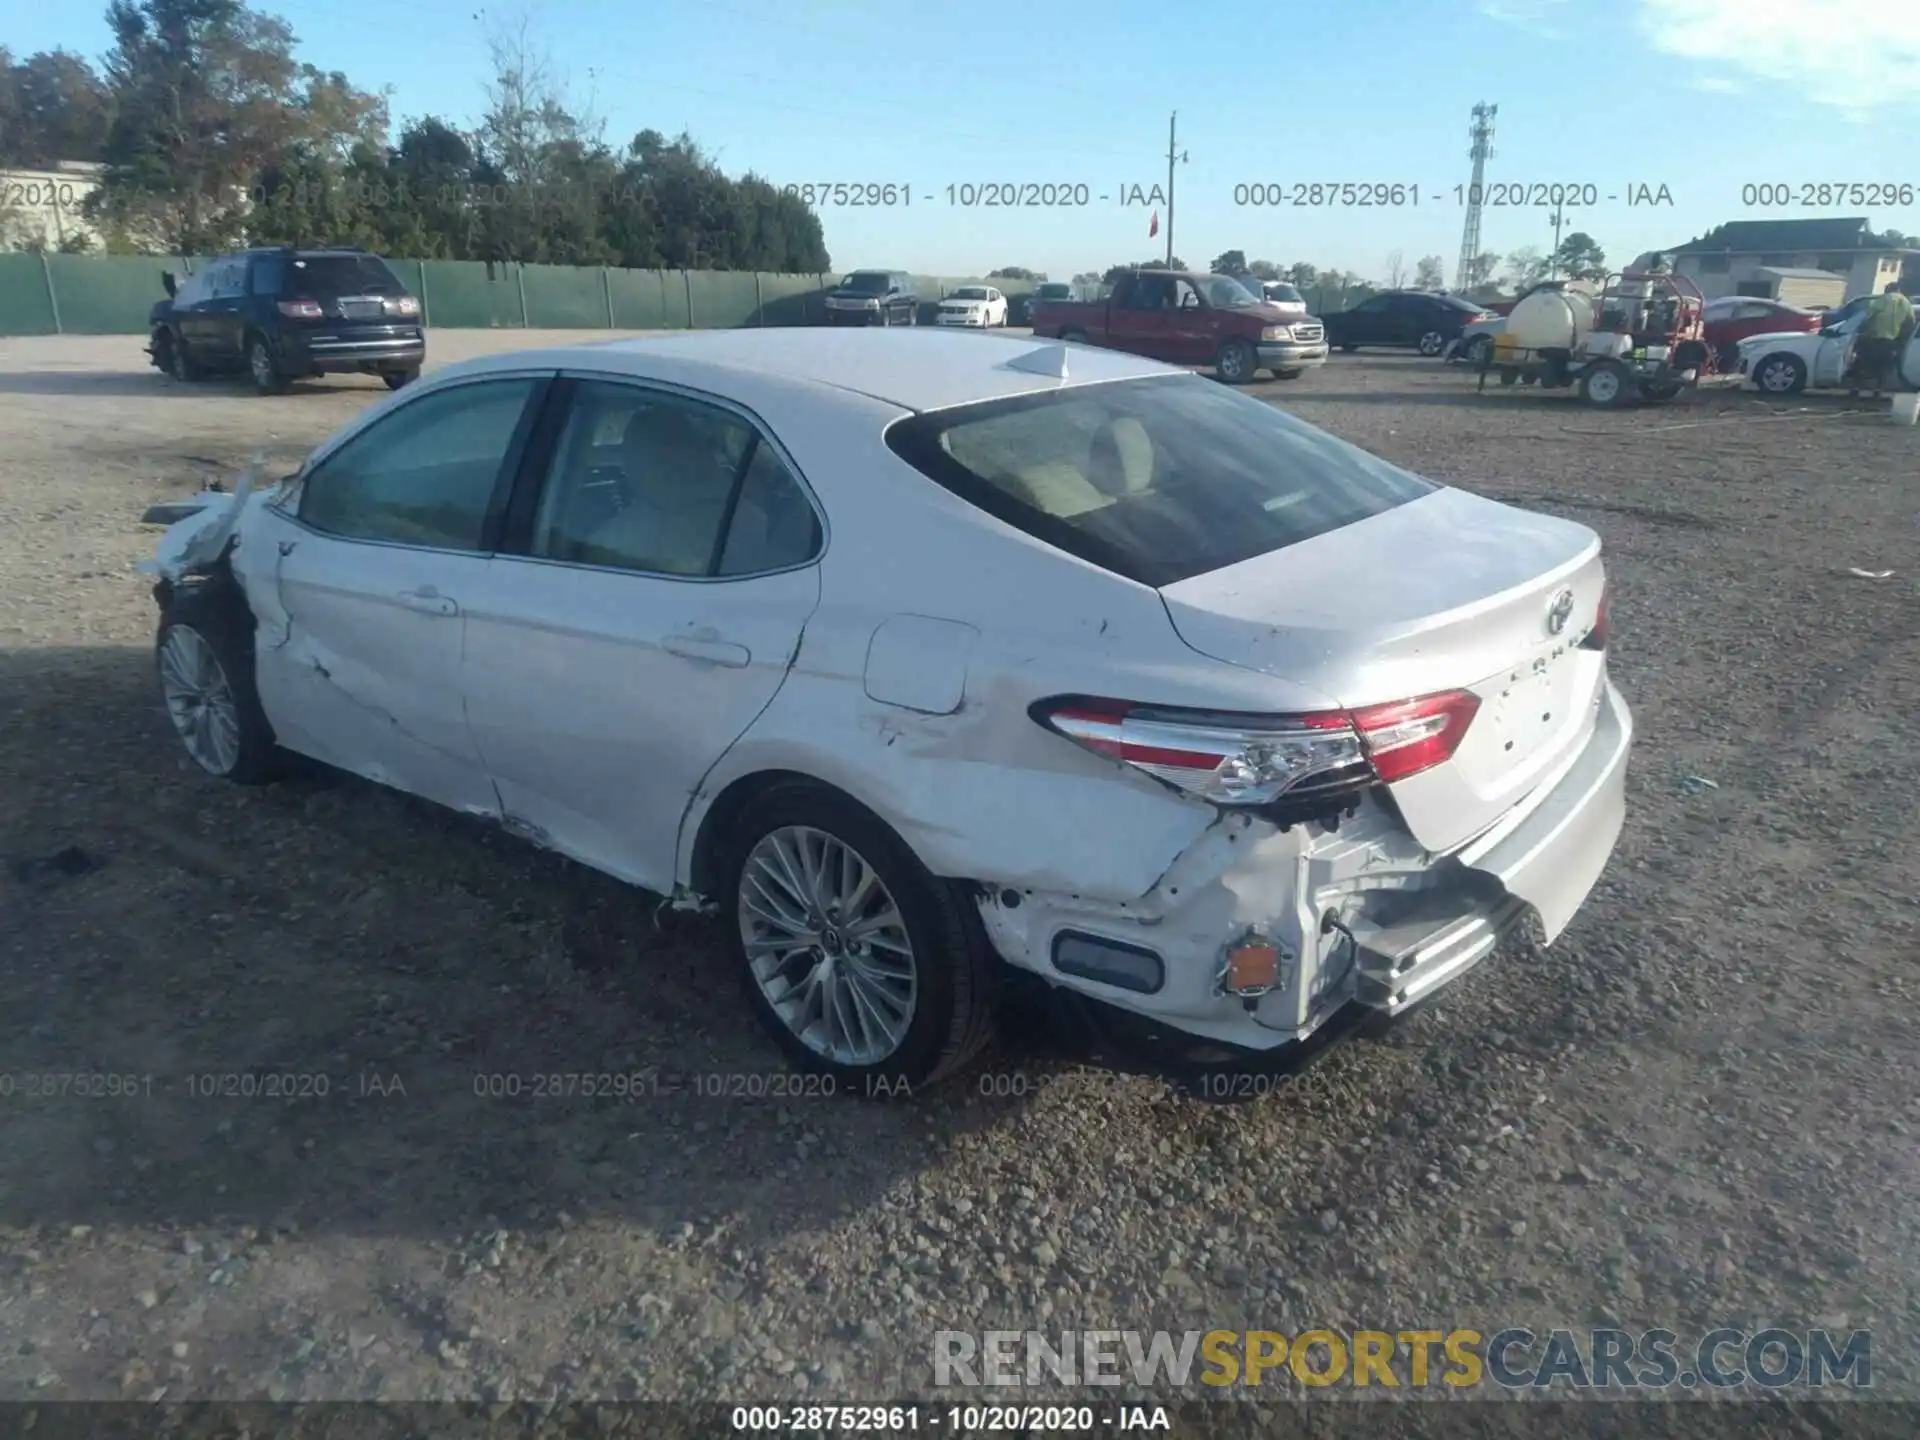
<point x="1697" y="1109"/>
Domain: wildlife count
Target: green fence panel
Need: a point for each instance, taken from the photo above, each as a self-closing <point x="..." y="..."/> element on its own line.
<point x="792" y="299"/>
<point x="26" y="304"/>
<point x="639" y="301"/>
<point x="723" y="299"/>
<point x="565" y="297"/>
<point x="471" y="295"/>
<point x="108" y="294"/>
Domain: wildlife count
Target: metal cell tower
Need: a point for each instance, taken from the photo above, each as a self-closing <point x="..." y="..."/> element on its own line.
<point x="1481" y="132"/>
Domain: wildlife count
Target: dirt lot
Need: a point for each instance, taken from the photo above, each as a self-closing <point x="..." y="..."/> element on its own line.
<point x="1698" y="1109"/>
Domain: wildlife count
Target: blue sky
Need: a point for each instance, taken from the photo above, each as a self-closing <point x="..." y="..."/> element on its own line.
<point x="1701" y="96"/>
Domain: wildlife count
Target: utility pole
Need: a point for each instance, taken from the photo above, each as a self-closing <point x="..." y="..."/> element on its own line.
<point x="1481" y="133"/>
<point x="1559" y="221"/>
<point x="1173" y="153"/>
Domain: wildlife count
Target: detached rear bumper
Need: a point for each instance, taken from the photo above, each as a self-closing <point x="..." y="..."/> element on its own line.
<point x="1546" y="860"/>
<point x="1358" y="917"/>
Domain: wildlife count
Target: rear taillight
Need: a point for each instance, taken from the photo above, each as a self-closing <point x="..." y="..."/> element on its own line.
<point x="1255" y="760"/>
<point x="301" y="309"/>
<point x="403" y="305"/>
<point x="1596" y="638"/>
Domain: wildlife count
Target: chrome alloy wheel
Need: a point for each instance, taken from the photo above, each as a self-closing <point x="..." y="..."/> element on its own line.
<point x="827" y="944"/>
<point x="200" y="700"/>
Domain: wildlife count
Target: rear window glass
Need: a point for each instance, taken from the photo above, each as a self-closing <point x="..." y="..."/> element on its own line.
<point x="327" y="277"/>
<point x="1157" y="479"/>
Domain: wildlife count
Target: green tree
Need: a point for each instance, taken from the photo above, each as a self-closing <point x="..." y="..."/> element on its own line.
<point x="1526" y="266"/>
<point x="207" y="94"/>
<point x="1430" y="273"/>
<point x="1114" y="272"/>
<point x="53" y="107"/>
<point x="1580" y="257"/>
<point x="1264" y="269"/>
<point x="1015" y="272"/>
<point x="1303" y="276"/>
<point x="1229" y="262"/>
<point x="1480" y="269"/>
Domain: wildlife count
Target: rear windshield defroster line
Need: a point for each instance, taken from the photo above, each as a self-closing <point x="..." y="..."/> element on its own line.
<point x="1157" y="479"/>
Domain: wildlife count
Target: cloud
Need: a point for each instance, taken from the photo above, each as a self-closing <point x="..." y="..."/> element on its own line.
<point x="1852" y="55"/>
<point x="1528" y="14"/>
<point x="1719" y="85"/>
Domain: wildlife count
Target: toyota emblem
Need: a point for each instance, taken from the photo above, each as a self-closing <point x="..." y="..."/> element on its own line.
<point x="1559" y="611"/>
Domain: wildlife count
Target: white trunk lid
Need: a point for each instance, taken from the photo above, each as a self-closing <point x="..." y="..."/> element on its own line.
<point x="1448" y="592"/>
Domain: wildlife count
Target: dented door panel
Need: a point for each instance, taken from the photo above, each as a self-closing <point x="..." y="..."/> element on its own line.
<point x="358" y="657"/>
<point x="601" y="698"/>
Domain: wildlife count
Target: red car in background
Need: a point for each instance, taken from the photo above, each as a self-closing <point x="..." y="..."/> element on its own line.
<point x="1732" y="318"/>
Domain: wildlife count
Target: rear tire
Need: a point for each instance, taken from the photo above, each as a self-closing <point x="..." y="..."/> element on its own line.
<point x="396" y="378"/>
<point x="950" y="960"/>
<point x="1432" y="343"/>
<point x="204" y="653"/>
<point x="261" y="365"/>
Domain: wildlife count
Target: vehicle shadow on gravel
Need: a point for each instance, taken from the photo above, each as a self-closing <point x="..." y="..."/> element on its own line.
<point x="151" y="384"/>
<point x="321" y="1006"/>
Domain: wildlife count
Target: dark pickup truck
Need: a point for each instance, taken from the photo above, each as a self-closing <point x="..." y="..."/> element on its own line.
<point x="1190" y="319"/>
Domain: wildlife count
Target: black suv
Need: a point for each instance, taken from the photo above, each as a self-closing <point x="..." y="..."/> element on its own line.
<point x="874" y="297"/>
<point x="283" y="314"/>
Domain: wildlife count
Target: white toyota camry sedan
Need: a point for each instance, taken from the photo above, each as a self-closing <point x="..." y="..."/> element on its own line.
<point x="909" y="654"/>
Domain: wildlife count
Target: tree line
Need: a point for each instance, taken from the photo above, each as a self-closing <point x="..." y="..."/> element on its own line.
<point x="213" y="134"/>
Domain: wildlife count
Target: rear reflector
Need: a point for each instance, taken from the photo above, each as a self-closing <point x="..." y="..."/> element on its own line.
<point x="1597" y="637"/>
<point x="1092" y="957"/>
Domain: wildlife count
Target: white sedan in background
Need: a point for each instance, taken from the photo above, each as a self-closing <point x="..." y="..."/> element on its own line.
<point x="909" y="655"/>
<point x="1787" y="362"/>
<point x="980" y="306"/>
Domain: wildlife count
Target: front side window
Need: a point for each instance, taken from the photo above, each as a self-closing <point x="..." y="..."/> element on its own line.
<point x="424" y="474"/>
<point x="654" y="483"/>
<point x="1155" y="479"/>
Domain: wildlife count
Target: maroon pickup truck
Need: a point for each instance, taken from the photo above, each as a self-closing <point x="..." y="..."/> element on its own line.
<point x="1188" y="319"/>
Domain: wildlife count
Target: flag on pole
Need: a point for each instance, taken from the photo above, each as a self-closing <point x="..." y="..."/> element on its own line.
<point x="1153" y="227"/>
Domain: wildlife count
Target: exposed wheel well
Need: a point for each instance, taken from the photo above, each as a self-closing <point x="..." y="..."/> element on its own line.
<point x="733" y="802"/>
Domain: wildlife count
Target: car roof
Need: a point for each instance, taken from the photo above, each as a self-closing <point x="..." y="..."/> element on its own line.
<point x="915" y="368"/>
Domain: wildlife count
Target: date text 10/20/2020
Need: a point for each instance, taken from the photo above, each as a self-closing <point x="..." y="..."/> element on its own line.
<point x="1316" y="194"/>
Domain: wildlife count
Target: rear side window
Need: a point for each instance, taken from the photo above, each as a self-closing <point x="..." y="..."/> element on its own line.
<point x="1157" y="479"/>
<point x="267" y="271"/>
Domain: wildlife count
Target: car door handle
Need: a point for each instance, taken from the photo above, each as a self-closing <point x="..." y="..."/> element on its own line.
<point x="713" y="652"/>
<point x="428" y="602"/>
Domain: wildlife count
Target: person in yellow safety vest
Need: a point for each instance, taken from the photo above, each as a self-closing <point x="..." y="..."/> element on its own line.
<point x="1889" y="319"/>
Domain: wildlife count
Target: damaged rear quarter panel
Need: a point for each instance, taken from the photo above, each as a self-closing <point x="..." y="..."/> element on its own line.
<point x="982" y="792"/>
